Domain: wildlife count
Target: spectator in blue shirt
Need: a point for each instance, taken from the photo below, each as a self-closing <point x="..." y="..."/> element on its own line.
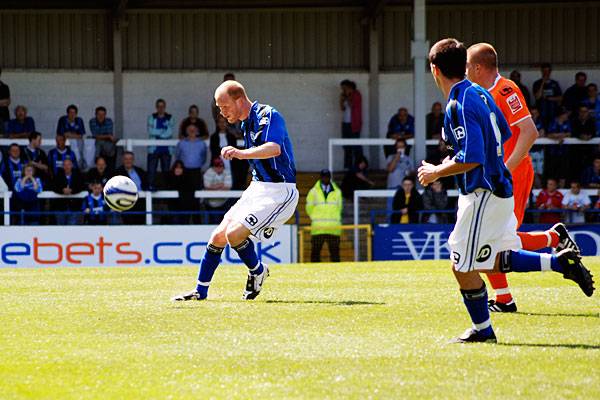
<point x="21" y="126"/>
<point x="59" y="154"/>
<point x="73" y="128"/>
<point x="401" y="125"/>
<point x="102" y="130"/>
<point x="548" y="95"/>
<point x="68" y="182"/>
<point x="94" y="208"/>
<point x="591" y="175"/>
<point x="25" y="197"/>
<point x="12" y="167"/>
<point x="192" y="152"/>
<point x="592" y="102"/>
<point x="555" y="154"/>
<point x="160" y="126"/>
<point x="138" y="176"/>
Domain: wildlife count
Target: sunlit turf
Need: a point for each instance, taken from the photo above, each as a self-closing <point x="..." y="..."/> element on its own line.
<point x="366" y="330"/>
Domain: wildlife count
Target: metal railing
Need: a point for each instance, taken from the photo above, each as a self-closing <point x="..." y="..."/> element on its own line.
<point x="128" y="144"/>
<point x="434" y="142"/>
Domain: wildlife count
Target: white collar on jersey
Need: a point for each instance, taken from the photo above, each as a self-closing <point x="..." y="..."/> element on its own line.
<point x="495" y="82"/>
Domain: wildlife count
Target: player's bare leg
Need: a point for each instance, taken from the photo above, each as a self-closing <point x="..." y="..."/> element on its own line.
<point x="237" y="237"/>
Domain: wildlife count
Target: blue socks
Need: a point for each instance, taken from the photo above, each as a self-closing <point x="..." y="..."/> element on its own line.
<point x="247" y="254"/>
<point x="208" y="266"/>
<point x="529" y="261"/>
<point x="476" y="301"/>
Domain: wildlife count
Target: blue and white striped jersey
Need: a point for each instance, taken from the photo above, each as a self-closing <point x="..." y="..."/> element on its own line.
<point x="265" y="124"/>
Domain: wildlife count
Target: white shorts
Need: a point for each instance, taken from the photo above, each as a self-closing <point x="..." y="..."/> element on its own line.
<point x="264" y="207"/>
<point x="485" y="225"/>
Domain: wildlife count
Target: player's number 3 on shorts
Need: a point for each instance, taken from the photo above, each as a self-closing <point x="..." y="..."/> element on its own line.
<point x="497" y="133"/>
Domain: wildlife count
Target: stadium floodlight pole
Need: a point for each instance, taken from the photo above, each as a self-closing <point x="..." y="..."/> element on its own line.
<point x="419" y="53"/>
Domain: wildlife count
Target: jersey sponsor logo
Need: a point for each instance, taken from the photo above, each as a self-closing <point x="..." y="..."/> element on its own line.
<point x="484" y="253"/>
<point x="268" y="232"/>
<point x="514" y="103"/>
<point x="254" y="135"/>
<point x="506" y="90"/>
<point x="459" y="132"/>
<point x="251" y="219"/>
<point x="264" y="120"/>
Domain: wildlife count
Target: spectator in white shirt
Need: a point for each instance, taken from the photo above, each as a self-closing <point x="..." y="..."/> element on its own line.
<point x="577" y="202"/>
<point x="217" y="178"/>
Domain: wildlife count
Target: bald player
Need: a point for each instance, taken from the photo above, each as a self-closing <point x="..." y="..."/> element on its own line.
<point x="266" y="204"/>
<point x="482" y="68"/>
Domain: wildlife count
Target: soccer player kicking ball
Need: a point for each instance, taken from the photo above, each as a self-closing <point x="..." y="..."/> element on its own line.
<point x="269" y="201"/>
<point x="482" y="69"/>
<point x="484" y="237"/>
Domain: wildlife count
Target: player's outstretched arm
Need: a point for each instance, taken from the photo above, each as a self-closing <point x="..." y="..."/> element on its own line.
<point x="266" y="150"/>
<point x="429" y="173"/>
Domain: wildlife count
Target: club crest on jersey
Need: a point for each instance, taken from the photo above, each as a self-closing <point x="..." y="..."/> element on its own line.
<point x="459" y="132"/>
<point x="514" y="103"/>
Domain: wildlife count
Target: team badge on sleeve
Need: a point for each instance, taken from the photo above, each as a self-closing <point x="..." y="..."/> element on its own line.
<point x="514" y="103"/>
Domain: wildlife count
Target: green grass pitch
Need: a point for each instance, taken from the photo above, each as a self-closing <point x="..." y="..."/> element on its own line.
<point x="367" y="330"/>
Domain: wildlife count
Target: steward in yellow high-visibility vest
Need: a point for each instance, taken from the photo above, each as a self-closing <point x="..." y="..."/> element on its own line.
<point x="324" y="207"/>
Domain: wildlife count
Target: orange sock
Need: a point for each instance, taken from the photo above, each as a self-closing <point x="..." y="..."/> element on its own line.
<point x="500" y="285"/>
<point x="538" y="240"/>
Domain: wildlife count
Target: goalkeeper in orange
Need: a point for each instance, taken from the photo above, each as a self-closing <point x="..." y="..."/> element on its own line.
<point x="482" y="68"/>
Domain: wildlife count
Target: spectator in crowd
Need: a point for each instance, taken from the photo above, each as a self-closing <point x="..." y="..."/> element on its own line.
<point x="73" y="128"/>
<point x="576" y="93"/>
<point x="577" y="202"/>
<point x="217" y="178"/>
<point x="223" y="137"/>
<point x="436" y="155"/>
<point x="103" y="131"/>
<point x="435" y="197"/>
<point x="58" y="155"/>
<point x="139" y="177"/>
<point x="559" y="129"/>
<point x="34" y="155"/>
<point x="193" y="119"/>
<point x="191" y="150"/>
<point x="68" y="181"/>
<point x="592" y="102"/>
<point x="537" y="120"/>
<point x="4" y="104"/>
<point x="399" y="165"/>
<point x="12" y="167"/>
<point x="22" y="125"/>
<point x="186" y="200"/>
<point x="26" y="193"/>
<point x="94" y="207"/>
<point x="549" y="199"/>
<point x="548" y="94"/>
<point x="229" y="76"/>
<point x="160" y="126"/>
<point x="351" y="106"/>
<point x="435" y="121"/>
<point x="408" y="202"/>
<point x="591" y="175"/>
<point x="584" y="128"/>
<point x="401" y="125"/>
<point x="99" y="173"/>
<point x="357" y="178"/>
<point x="324" y="208"/>
<point x="515" y="76"/>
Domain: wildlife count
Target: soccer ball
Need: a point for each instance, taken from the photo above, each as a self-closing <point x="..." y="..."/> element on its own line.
<point x="120" y="193"/>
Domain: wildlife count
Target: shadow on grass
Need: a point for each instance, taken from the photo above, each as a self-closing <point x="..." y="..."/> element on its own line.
<point x="327" y="302"/>
<point x="556" y="345"/>
<point x="588" y="315"/>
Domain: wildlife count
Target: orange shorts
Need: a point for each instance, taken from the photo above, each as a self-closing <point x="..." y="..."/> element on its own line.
<point x="522" y="184"/>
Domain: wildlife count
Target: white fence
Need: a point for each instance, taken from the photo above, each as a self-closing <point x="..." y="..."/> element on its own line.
<point x="148" y="196"/>
<point x="431" y="142"/>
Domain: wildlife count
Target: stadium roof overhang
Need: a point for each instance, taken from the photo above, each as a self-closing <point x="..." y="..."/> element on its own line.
<point x="369" y="5"/>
